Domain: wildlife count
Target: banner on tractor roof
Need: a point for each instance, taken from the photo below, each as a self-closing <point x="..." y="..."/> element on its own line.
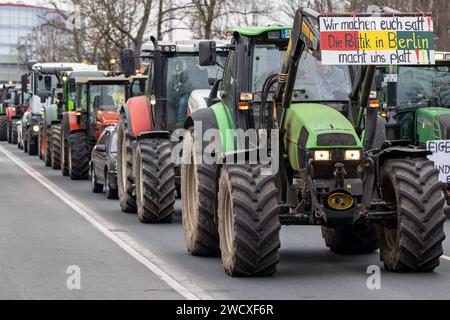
<point x="392" y="40"/>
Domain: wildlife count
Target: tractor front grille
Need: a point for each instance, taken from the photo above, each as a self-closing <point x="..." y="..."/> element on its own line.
<point x="336" y="139"/>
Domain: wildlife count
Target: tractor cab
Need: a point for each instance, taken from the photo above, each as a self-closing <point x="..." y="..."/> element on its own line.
<point x="420" y="95"/>
<point x="99" y="100"/>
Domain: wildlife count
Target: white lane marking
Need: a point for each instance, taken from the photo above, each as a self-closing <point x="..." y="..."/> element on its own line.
<point x="184" y="286"/>
<point x="445" y="258"/>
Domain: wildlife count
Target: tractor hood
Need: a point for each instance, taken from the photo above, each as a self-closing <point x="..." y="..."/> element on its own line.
<point x="107" y="118"/>
<point x="433" y="124"/>
<point x="318" y="126"/>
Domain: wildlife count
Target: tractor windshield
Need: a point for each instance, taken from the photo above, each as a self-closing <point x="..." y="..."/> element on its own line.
<point x="315" y="82"/>
<point x="107" y="97"/>
<point x="424" y="86"/>
<point x="184" y="75"/>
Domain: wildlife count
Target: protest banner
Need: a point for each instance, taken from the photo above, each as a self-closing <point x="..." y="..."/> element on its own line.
<point x="378" y="40"/>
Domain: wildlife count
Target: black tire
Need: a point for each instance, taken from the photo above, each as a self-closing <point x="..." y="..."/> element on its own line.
<point x="414" y="243"/>
<point x="48" y="148"/>
<point x="155" y="181"/>
<point x="3" y="127"/>
<point x="32" y="143"/>
<point x="95" y="186"/>
<point x="198" y="198"/>
<point x="56" y="146"/>
<point x="249" y="223"/>
<point x="64" y="153"/>
<point x="360" y="238"/>
<point x="125" y="176"/>
<point x="78" y="156"/>
<point x="111" y="193"/>
<point x="25" y="146"/>
<point x="9" y="132"/>
<point x="14" y="132"/>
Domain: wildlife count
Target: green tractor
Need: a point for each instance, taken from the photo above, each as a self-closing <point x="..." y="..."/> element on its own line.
<point x="329" y="162"/>
<point x="419" y="96"/>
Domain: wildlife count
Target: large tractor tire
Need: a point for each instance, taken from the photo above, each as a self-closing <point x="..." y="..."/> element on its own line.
<point x="9" y="132"/>
<point x="64" y="156"/>
<point x="78" y="156"/>
<point x="3" y="127"/>
<point x="32" y="143"/>
<point x="14" y="133"/>
<point x="155" y="181"/>
<point x="414" y="243"/>
<point x="249" y="223"/>
<point x="48" y="148"/>
<point x="125" y="177"/>
<point x="351" y="239"/>
<point x="56" y="146"/>
<point x="198" y="190"/>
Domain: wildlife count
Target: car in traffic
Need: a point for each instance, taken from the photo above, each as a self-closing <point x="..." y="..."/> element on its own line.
<point x="103" y="171"/>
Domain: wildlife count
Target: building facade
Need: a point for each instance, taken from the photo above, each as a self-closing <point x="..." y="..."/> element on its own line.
<point x="17" y="21"/>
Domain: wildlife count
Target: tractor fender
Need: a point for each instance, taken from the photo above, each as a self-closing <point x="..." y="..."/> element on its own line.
<point x="399" y="153"/>
<point x="138" y="115"/>
<point x="70" y="123"/>
<point x="154" y="134"/>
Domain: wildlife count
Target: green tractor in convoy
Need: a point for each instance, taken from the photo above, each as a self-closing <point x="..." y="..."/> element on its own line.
<point x="419" y="95"/>
<point x="331" y="163"/>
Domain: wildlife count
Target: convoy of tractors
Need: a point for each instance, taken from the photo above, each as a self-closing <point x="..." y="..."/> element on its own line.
<point x="352" y="160"/>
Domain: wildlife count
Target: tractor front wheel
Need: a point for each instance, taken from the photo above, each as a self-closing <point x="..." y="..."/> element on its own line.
<point x="48" y="148"/>
<point x="125" y="177"/>
<point x="32" y="143"/>
<point x="414" y="242"/>
<point x="198" y="198"/>
<point x="56" y="146"/>
<point x="14" y="132"/>
<point x="78" y="156"/>
<point x="3" y="127"/>
<point x="249" y="223"/>
<point x="155" y="181"/>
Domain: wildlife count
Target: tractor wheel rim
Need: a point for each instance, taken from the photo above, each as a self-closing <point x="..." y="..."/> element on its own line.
<point x="228" y="221"/>
<point x="124" y="162"/>
<point x="191" y="187"/>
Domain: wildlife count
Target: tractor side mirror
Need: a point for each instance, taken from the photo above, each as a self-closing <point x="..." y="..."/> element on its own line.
<point x="72" y="85"/>
<point x="48" y="82"/>
<point x="379" y="81"/>
<point x="213" y="99"/>
<point x="16" y="99"/>
<point x="207" y="53"/>
<point x="100" y="148"/>
<point x="24" y="82"/>
<point x="127" y="62"/>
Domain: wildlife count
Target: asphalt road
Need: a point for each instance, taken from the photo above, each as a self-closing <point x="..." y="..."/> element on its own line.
<point x="48" y="223"/>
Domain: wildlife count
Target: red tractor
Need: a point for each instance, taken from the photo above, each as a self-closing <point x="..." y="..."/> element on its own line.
<point x="96" y="106"/>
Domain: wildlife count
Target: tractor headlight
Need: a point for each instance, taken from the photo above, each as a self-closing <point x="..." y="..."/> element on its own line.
<point x="322" y="155"/>
<point x="36" y="128"/>
<point x="352" y="155"/>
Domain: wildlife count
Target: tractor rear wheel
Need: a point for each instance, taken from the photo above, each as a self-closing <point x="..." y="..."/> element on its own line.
<point x="56" y="146"/>
<point x="351" y="239"/>
<point x="3" y="127"/>
<point x="249" y="223"/>
<point x="78" y="156"/>
<point x="64" y="155"/>
<point x="155" y="181"/>
<point x="198" y="189"/>
<point x="125" y="177"/>
<point x="414" y="242"/>
<point x="48" y="148"/>
<point x="14" y="132"/>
